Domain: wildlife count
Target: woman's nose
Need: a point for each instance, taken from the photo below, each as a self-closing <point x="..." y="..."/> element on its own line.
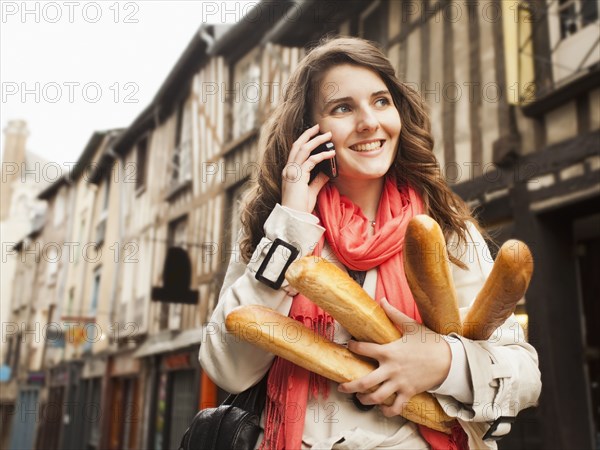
<point x="367" y="121"/>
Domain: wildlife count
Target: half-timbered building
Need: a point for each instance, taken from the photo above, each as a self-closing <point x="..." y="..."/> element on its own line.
<point x="512" y="92"/>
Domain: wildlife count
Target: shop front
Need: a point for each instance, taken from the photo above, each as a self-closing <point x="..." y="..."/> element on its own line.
<point x="92" y="379"/>
<point x="176" y="388"/>
<point x="27" y="412"/>
<point x="123" y="403"/>
<point x="52" y="411"/>
<point x="177" y="393"/>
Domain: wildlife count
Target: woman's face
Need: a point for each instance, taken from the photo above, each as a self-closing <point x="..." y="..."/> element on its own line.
<point x="355" y="105"/>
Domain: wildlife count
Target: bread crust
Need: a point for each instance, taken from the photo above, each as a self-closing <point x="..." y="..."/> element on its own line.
<point x="505" y="286"/>
<point x="333" y="290"/>
<point x="289" y="339"/>
<point x="429" y="277"/>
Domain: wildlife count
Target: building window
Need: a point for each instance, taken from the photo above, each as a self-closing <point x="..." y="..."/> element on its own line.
<point x="589" y="12"/>
<point x="177" y="233"/>
<point x="101" y="225"/>
<point x="181" y="159"/>
<point x="106" y="193"/>
<point x="52" y="264"/>
<point x="245" y="95"/>
<point x="95" y="292"/>
<point x="141" y="152"/>
<point x="87" y="344"/>
<point x="576" y="14"/>
<point x="101" y="229"/>
<point x="573" y="30"/>
<point x="59" y="210"/>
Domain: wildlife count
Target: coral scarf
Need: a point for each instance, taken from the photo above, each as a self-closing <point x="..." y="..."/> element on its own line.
<point x="346" y="231"/>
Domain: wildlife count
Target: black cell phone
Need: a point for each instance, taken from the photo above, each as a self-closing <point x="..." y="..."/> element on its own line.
<point x="328" y="166"/>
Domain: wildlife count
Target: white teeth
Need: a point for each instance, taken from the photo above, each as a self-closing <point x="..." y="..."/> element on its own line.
<point x="366" y="147"/>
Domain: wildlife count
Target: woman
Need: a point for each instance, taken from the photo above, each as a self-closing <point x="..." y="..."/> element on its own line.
<point x="347" y="90"/>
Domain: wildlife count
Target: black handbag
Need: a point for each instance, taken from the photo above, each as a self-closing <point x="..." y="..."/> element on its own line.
<point x="232" y="425"/>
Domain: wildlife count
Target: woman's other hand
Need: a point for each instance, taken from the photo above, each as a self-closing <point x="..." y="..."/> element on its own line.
<point x="296" y="192"/>
<point x="417" y="362"/>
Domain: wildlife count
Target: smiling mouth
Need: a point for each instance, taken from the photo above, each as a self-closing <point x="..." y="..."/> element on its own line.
<point x="369" y="147"/>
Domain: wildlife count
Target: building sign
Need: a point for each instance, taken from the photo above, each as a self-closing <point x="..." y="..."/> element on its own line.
<point x="125" y="365"/>
<point x="36" y="377"/>
<point x="179" y="361"/>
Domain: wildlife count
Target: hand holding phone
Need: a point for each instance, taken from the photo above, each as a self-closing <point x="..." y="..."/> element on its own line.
<point x="328" y="166"/>
<point x="303" y="196"/>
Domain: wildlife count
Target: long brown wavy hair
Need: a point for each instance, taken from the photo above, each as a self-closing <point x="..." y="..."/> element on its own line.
<point x="415" y="163"/>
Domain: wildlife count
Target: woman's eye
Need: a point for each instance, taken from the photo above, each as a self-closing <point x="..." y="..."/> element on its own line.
<point x="382" y="101"/>
<point x="341" y="109"/>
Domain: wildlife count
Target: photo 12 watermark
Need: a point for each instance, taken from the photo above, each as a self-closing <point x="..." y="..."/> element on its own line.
<point x="51" y="172"/>
<point x="490" y="11"/>
<point x="69" y="92"/>
<point x="70" y="12"/>
<point x="71" y="252"/>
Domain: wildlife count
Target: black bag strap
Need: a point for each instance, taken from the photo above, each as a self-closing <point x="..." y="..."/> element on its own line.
<point x="252" y="399"/>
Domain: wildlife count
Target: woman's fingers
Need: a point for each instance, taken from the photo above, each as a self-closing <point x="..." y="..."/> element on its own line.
<point x="398" y="317"/>
<point x="303" y="152"/>
<point x="365" y="383"/>
<point x="367" y="349"/>
<point x="407" y="366"/>
<point x="378" y="376"/>
<point x="397" y="407"/>
<point x="301" y="141"/>
<point x="312" y="144"/>
<point x="378" y="396"/>
<point x="312" y="161"/>
<point x="296" y="192"/>
<point x="294" y="171"/>
<point x="300" y="162"/>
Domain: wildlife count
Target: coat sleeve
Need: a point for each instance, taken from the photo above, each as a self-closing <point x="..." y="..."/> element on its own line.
<point x="503" y="370"/>
<point x="232" y="364"/>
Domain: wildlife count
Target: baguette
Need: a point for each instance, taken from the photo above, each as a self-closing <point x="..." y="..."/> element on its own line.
<point x="428" y="274"/>
<point x="333" y="290"/>
<point x="289" y="339"/>
<point x="336" y="292"/>
<point x="505" y="286"/>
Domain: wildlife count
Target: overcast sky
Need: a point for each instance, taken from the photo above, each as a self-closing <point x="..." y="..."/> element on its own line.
<point x="70" y="68"/>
